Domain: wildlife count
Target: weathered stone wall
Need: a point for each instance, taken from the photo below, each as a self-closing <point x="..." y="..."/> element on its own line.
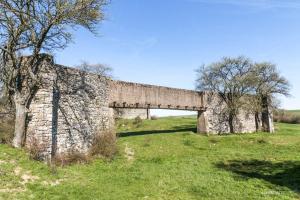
<point x="68" y="111"/>
<point x="81" y="106"/>
<point x="135" y="95"/>
<point x="131" y="113"/>
<point x="40" y="118"/>
<point x="73" y="106"/>
<point x="217" y="122"/>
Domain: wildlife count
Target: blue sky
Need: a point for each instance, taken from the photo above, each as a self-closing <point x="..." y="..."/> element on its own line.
<point x="162" y="42"/>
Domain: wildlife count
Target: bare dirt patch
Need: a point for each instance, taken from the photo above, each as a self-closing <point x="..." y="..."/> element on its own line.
<point x="129" y="153"/>
<point x="25" y="176"/>
<point x="12" y="190"/>
<point x="2" y="162"/>
<point x="52" y="183"/>
<point x="17" y="171"/>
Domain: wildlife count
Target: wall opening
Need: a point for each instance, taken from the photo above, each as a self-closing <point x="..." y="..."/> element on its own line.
<point x="160" y="124"/>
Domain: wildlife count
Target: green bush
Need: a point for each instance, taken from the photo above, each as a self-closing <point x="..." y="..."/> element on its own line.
<point x="154" y="117"/>
<point x="137" y="121"/>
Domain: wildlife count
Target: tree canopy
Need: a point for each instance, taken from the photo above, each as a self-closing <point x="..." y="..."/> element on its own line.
<point x="238" y="79"/>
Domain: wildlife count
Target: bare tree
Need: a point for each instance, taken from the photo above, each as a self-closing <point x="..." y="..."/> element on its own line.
<point x="98" y="68"/>
<point x="230" y="80"/>
<point x="267" y="82"/>
<point x="33" y="27"/>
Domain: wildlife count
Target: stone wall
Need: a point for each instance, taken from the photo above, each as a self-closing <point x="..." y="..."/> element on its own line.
<point x="217" y="122"/>
<point x="40" y="118"/>
<point x="68" y="111"/>
<point x="81" y="106"/>
<point x="131" y="113"/>
<point x="136" y="95"/>
<point x="72" y="106"/>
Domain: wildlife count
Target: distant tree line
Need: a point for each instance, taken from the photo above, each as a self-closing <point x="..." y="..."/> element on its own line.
<point x="283" y="116"/>
<point x="243" y="84"/>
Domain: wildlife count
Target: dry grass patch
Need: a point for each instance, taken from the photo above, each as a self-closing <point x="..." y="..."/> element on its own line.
<point x="104" y="145"/>
<point x="35" y="149"/>
<point x="129" y="153"/>
<point x="73" y="157"/>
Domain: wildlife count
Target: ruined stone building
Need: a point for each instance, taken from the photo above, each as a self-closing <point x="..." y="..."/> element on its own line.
<point x="72" y="106"/>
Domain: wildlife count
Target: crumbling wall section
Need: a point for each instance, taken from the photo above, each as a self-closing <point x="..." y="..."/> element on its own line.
<point x="216" y="120"/>
<point x="68" y="110"/>
<point x="81" y="106"/>
<point x="40" y="118"/>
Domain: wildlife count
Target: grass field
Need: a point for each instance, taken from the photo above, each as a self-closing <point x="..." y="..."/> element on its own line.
<point x="165" y="159"/>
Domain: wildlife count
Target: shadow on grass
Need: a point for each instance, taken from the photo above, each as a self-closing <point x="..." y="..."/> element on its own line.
<point x="285" y="174"/>
<point x="137" y="133"/>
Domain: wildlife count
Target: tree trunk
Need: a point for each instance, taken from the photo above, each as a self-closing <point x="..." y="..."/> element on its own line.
<point x="257" y="121"/>
<point x="20" y="121"/>
<point x="265" y="114"/>
<point x="230" y="120"/>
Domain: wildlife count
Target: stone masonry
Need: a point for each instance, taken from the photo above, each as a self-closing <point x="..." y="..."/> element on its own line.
<point x="72" y="106"/>
<point x="131" y="113"/>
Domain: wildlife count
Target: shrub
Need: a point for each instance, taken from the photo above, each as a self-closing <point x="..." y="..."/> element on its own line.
<point x="262" y="141"/>
<point x="52" y="168"/>
<point x="283" y="117"/>
<point x="104" y="144"/>
<point x="138" y="121"/>
<point x="187" y="142"/>
<point x="154" y="117"/>
<point x="213" y="140"/>
<point x="147" y="142"/>
<point x="6" y="130"/>
<point x="35" y="149"/>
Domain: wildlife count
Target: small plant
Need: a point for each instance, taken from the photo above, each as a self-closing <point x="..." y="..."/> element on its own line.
<point x="52" y="167"/>
<point x="156" y="160"/>
<point x="262" y="141"/>
<point x="213" y="140"/>
<point x="6" y="130"/>
<point x="147" y="141"/>
<point x="36" y="149"/>
<point x="154" y="117"/>
<point x="104" y="144"/>
<point x="187" y="142"/>
<point x="138" y="121"/>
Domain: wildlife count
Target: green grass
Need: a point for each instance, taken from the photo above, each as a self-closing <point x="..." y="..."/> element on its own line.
<point x="165" y="159"/>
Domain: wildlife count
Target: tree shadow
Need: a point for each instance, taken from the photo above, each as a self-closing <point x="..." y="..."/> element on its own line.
<point x="138" y="133"/>
<point x="286" y="174"/>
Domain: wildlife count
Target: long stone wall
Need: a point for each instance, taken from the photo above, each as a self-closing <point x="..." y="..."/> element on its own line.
<point x="73" y="106"/>
<point x="136" y="95"/>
